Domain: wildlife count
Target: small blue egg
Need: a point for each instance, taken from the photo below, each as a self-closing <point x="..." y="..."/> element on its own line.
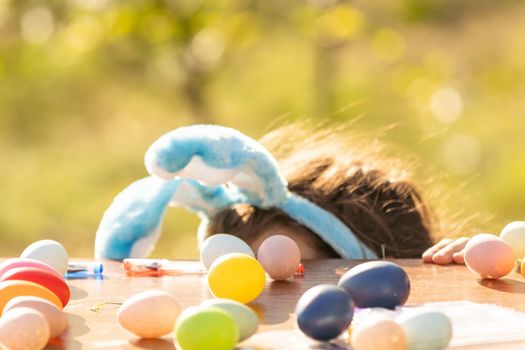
<point x="376" y="284"/>
<point x="324" y="312"/>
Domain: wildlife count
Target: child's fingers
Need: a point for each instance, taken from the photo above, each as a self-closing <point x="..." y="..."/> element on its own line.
<point x="429" y="253"/>
<point x="445" y="254"/>
<point x="459" y="257"/>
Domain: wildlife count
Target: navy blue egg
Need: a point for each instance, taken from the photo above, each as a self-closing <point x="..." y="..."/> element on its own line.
<point x="324" y="312"/>
<point x="376" y="284"/>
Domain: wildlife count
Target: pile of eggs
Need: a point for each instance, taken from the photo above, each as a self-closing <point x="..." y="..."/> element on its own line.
<point x="492" y="257"/>
<point x="215" y="324"/>
<point x="33" y="293"/>
<point x="227" y="257"/>
<point x="324" y="312"/>
<point x="236" y="276"/>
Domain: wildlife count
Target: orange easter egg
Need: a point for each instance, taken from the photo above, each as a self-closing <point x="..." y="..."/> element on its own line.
<point x="44" y="278"/>
<point x="11" y="289"/>
<point x="489" y="256"/>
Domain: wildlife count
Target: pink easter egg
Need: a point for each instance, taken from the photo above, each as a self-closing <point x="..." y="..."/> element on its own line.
<point x="280" y="256"/>
<point x="489" y="256"/>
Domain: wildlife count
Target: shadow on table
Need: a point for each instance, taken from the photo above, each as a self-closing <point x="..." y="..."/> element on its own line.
<point x="77" y="293"/>
<point x="274" y="306"/>
<point x="153" y="344"/>
<point x="504" y="285"/>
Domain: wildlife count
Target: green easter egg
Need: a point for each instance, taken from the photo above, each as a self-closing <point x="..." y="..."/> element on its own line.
<point x="199" y="328"/>
<point x="245" y="318"/>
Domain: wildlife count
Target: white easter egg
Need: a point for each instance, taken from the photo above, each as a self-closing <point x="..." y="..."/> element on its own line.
<point x="23" y="328"/>
<point x="221" y="244"/>
<point x="514" y="235"/>
<point x="378" y="333"/>
<point x="149" y="314"/>
<point x="56" y="318"/>
<point x="244" y="317"/>
<point x="49" y="251"/>
<point x="426" y="329"/>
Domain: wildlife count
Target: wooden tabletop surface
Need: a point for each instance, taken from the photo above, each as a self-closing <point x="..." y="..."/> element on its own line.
<point x="89" y="329"/>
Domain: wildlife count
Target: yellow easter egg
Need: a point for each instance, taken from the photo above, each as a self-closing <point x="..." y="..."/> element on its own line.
<point x="12" y="289"/>
<point x="236" y="276"/>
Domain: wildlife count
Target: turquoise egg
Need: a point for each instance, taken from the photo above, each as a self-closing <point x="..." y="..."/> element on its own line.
<point x="426" y="329"/>
<point x="246" y="319"/>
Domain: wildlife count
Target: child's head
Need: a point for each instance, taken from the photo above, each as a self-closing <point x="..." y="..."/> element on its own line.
<point x="350" y="178"/>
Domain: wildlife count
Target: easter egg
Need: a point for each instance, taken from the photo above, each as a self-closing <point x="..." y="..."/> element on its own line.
<point x="56" y="318"/>
<point x="376" y="284"/>
<point x="488" y="256"/>
<point x="426" y="330"/>
<point x="324" y="312"/>
<point x="23" y="329"/>
<point x="279" y="255"/>
<point x="378" y="333"/>
<point x="514" y="235"/>
<point x="200" y="328"/>
<point x="41" y="277"/>
<point x="12" y="289"/>
<point x="236" y="276"/>
<point x="49" y="251"/>
<point x="221" y="244"/>
<point x="245" y="318"/>
<point x="149" y="314"/>
<point x="26" y="262"/>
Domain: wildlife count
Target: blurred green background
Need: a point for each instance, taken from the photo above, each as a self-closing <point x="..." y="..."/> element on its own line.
<point x="87" y="85"/>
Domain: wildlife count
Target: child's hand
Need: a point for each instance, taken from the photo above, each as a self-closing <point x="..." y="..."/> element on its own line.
<point x="446" y="251"/>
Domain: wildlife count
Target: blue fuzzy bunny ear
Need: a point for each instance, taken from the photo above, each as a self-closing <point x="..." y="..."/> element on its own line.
<point x="216" y="155"/>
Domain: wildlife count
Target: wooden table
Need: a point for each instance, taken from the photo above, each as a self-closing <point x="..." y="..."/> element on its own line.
<point x="99" y="329"/>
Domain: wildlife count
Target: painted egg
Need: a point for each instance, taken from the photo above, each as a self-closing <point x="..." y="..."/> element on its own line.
<point x="149" y="314"/>
<point x="280" y="256"/>
<point x="236" y="276"/>
<point x="12" y="289"/>
<point x="200" y="328"/>
<point x="26" y="262"/>
<point x="324" y="312"/>
<point x="514" y="235"/>
<point x="378" y="333"/>
<point x="426" y="330"/>
<point x="23" y="329"/>
<point x="49" y="251"/>
<point x="245" y="318"/>
<point x="376" y="284"/>
<point x="221" y="244"/>
<point x="56" y="318"/>
<point x="41" y="277"/>
<point x="488" y="256"/>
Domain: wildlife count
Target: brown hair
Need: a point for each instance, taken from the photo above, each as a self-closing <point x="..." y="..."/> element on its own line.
<point x="352" y="177"/>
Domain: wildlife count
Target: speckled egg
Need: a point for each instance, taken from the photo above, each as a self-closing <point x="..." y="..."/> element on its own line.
<point x="56" y="318"/>
<point x="488" y="256"/>
<point x="378" y="333"/>
<point x="49" y="251"/>
<point x="426" y="330"/>
<point x="12" y="289"/>
<point x="244" y="317"/>
<point x="280" y="256"/>
<point x="23" y="329"/>
<point x="514" y="235"/>
<point x="149" y="314"/>
<point x="26" y="262"/>
<point x="236" y="276"/>
<point x="221" y="244"/>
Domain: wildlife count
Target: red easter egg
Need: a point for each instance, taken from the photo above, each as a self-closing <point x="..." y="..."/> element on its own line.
<point x="27" y="262"/>
<point x="41" y="277"/>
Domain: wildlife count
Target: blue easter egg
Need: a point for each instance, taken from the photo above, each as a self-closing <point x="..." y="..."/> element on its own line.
<point x="376" y="284"/>
<point x="324" y="312"/>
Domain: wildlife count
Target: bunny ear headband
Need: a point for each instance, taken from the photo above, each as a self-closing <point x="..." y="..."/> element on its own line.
<point x="207" y="169"/>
